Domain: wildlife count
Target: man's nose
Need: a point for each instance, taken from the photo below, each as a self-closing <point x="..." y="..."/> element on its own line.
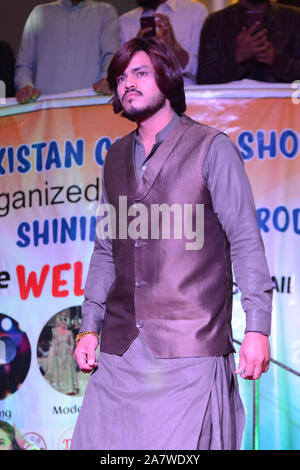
<point x="130" y="82"/>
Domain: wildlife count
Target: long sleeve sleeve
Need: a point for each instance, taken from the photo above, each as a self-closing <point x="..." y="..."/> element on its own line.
<point x="187" y="39"/>
<point x="110" y="37"/>
<point x="285" y="67"/>
<point x="214" y="65"/>
<point x="27" y="56"/>
<point x="101" y="275"/>
<point x="234" y="206"/>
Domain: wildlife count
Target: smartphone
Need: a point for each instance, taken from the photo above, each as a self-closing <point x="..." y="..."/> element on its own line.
<point x="148" y="22"/>
<point x="255" y="16"/>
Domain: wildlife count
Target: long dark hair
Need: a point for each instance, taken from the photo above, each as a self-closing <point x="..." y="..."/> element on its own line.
<point x="168" y="75"/>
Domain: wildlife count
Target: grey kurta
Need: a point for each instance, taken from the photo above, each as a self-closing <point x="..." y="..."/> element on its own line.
<point x="136" y="401"/>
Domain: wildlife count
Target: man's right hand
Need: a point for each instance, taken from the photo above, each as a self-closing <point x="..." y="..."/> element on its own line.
<point x="250" y="45"/>
<point x="27" y="94"/>
<point x="84" y="353"/>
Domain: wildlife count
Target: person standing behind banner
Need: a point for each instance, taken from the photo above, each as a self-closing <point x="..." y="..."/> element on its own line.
<point x="66" y="45"/>
<point x="254" y="39"/>
<point x="177" y="22"/>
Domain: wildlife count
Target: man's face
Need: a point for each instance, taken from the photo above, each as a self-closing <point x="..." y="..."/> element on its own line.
<point x="137" y="88"/>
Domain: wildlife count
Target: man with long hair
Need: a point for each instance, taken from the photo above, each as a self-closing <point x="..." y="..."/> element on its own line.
<point x="166" y="377"/>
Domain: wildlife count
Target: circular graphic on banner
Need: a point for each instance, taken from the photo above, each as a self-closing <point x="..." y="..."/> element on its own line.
<point x="36" y="440"/>
<point x="55" y="353"/>
<point x="15" y="356"/>
<point x="65" y="440"/>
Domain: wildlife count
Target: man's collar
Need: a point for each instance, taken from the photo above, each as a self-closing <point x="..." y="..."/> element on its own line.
<point x="163" y="133"/>
<point x="269" y="12"/>
<point x="242" y="7"/>
<point x="68" y="3"/>
<point x="170" y="4"/>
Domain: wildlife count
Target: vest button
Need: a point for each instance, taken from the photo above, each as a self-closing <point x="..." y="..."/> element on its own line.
<point x="139" y="243"/>
<point x="139" y="323"/>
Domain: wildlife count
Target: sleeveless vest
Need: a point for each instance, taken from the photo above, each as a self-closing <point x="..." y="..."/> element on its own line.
<point x="180" y="299"/>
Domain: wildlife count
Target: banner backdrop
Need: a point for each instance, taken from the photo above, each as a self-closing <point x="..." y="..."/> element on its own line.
<point x="51" y="157"/>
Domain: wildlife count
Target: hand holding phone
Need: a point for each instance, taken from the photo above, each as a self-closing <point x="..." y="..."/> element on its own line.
<point x="252" y="41"/>
<point x="148" y="29"/>
<point x="255" y="17"/>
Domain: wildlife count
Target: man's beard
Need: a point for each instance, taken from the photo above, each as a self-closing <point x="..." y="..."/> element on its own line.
<point x="136" y="114"/>
<point x="152" y="4"/>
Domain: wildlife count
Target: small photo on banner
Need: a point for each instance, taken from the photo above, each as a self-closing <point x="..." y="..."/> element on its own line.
<point x="55" y="352"/>
<point x="15" y="356"/>
<point x="12" y="439"/>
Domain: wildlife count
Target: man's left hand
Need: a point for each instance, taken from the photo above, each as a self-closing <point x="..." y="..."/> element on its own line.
<point x="101" y="87"/>
<point x="254" y="355"/>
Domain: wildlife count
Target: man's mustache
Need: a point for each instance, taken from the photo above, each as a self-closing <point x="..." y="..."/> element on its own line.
<point x="130" y="91"/>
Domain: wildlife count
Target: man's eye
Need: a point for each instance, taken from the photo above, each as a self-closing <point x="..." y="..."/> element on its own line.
<point x="141" y="73"/>
<point x="120" y="79"/>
